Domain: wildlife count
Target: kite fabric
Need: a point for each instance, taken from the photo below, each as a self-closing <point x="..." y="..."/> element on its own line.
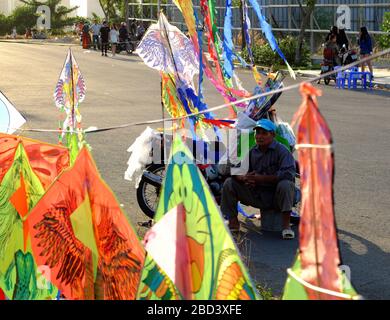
<point x="46" y="160"/>
<point x="27" y="168"/>
<point x="165" y="48"/>
<point x="155" y="284"/>
<point x="216" y="78"/>
<point x="267" y="30"/>
<point x="79" y="231"/>
<point x="69" y="93"/>
<point x="10" y="118"/>
<point x="168" y="235"/>
<point x="319" y="258"/>
<point x="228" y="45"/>
<point x="215" y="267"/>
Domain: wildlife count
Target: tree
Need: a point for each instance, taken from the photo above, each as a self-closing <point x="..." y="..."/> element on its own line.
<point x="22" y="17"/>
<point x="59" y="13"/>
<point x="306" y="12"/>
<point x="384" y="40"/>
<point x="110" y="8"/>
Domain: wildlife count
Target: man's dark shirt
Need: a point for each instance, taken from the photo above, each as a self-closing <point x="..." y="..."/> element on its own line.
<point x="123" y="34"/>
<point x="104" y="32"/>
<point x="276" y="161"/>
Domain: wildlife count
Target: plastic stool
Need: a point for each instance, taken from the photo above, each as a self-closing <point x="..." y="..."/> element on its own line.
<point x="271" y="220"/>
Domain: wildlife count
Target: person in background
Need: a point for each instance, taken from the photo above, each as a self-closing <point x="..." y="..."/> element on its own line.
<point x="14" y="33"/>
<point x="365" y="44"/>
<point x="342" y="39"/>
<point x="95" y="28"/>
<point x="331" y="51"/>
<point x="104" y="36"/>
<point x="86" y="36"/>
<point x="28" y="33"/>
<point x="133" y="28"/>
<point x="140" y="31"/>
<point x="114" y="38"/>
<point x="334" y="31"/>
<point x="124" y="35"/>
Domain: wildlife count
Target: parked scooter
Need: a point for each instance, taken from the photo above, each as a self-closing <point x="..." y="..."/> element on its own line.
<point x="343" y="58"/>
<point x="347" y="56"/>
<point x="129" y="46"/>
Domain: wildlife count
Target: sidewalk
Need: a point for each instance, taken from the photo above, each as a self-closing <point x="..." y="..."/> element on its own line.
<point x="381" y="76"/>
<point x="58" y="42"/>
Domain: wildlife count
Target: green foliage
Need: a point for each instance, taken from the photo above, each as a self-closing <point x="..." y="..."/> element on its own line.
<point x="22" y="17"/>
<point x="384" y="40"/>
<point x="4" y="25"/>
<point x="263" y="54"/>
<point x="265" y="292"/>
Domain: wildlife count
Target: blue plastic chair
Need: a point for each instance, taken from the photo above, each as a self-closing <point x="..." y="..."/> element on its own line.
<point x="340" y="78"/>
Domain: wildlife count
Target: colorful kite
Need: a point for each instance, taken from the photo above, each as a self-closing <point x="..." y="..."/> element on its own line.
<point x="10" y="118"/>
<point x="27" y="167"/>
<point x="79" y="231"/>
<point x="165" y="48"/>
<point x="316" y="274"/>
<point x="155" y="284"/>
<point x="46" y="160"/>
<point x="69" y="93"/>
<point x="267" y="31"/>
<point x="214" y="269"/>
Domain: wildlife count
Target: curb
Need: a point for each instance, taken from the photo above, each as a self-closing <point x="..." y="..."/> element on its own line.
<point x="40" y="43"/>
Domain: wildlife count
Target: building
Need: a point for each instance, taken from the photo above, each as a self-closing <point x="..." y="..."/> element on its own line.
<point x="86" y="7"/>
<point x="6" y="6"/>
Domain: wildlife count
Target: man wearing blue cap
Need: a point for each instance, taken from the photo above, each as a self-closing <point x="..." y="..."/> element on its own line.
<point x="269" y="182"/>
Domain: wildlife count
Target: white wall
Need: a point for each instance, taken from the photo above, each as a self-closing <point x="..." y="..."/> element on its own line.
<point x="6" y="6"/>
<point x="86" y="7"/>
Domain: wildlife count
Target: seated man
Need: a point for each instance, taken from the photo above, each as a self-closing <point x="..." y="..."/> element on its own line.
<point x="269" y="182"/>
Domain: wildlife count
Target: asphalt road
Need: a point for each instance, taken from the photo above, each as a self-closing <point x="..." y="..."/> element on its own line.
<point x="124" y="90"/>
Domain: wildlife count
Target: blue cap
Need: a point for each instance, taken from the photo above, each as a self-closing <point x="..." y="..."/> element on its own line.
<point x="266" y="125"/>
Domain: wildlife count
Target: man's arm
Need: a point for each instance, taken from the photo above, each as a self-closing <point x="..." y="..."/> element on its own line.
<point x="286" y="171"/>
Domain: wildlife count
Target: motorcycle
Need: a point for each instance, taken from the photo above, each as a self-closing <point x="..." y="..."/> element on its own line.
<point x="129" y="46"/>
<point x="345" y="57"/>
<point x="152" y="178"/>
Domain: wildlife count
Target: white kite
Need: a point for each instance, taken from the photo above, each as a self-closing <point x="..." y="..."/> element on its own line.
<point x="10" y="118"/>
<point x="165" y="48"/>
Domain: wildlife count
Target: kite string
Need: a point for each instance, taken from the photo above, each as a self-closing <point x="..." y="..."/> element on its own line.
<point x="264" y="94"/>
<point x="322" y="290"/>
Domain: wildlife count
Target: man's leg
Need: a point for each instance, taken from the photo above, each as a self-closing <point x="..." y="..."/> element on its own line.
<point x="233" y="192"/>
<point x="284" y="200"/>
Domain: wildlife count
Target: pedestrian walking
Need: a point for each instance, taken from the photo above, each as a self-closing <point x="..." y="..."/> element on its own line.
<point x="104" y="36"/>
<point x="95" y="29"/>
<point x="114" y="38"/>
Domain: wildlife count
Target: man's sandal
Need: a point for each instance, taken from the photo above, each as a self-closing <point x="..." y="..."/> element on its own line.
<point x="288" y="234"/>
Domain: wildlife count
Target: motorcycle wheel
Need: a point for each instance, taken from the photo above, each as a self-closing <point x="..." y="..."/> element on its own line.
<point x="147" y="194"/>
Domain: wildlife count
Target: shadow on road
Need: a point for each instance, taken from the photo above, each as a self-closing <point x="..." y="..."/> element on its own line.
<point x="269" y="257"/>
<point x="369" y="265"/>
